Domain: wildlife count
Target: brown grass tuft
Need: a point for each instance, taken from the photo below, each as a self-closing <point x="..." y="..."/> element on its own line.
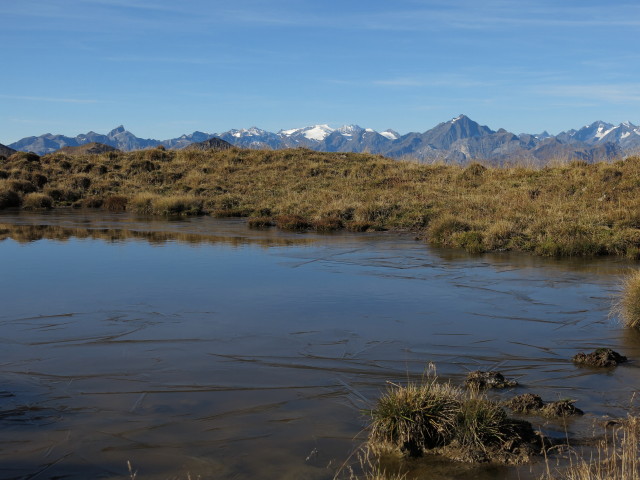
<point x="37" y="201"/>
<point x="628" y="305"/>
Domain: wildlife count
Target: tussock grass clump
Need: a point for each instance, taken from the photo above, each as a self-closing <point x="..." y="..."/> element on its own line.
<point x="177" y="205"/>
<point x="150" y="204"/>
<point x="480" y="422"/>
<point x="37" y="201"/>
<point x="415" y="417"/>
<point x="442" y="230"/>
<point x="438" y="417"/>
<point x="628" y="305"/>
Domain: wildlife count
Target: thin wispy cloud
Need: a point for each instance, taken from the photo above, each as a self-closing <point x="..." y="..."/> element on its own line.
<point x="440" y="16"/>
<point x="614" y="93"/>
<point x="454" y="81"/>
<point x="160" y="60"/>
<point x="50" y="99"/>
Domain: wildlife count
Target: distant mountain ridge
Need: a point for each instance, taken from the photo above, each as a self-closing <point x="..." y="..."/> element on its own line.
<point x="458" y="140"/>
<point x="6" y="151"/>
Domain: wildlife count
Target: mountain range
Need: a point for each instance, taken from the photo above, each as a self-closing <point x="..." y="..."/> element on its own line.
<point x="458" y="140"/>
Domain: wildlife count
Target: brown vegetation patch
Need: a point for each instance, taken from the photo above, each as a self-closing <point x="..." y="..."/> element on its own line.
<point x="529" y="403"/>
<point x="525" y="403"/>
<point x="359" y="226"/>
<point x="561" y="408"/>
<point x="115" y="203"/>
<point x="292" y="222"/>
<point x="327" y="224"/>
<point x="260" y="222"/>
<point x="601" y="358"/>
<point x="484" y="380"/>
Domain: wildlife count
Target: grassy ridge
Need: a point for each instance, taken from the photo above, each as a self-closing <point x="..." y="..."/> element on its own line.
<point x="564" y="210"/>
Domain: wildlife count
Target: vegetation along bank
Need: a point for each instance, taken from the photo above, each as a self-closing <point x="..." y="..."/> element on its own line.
<point x="572" y="209"/>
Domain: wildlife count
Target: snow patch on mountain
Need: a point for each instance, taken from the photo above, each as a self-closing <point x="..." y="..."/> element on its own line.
<point x="390" y="134"/>
<point x="601" y="132"/>
<point x="314" y="132"/>
<point x="349" y="130"/>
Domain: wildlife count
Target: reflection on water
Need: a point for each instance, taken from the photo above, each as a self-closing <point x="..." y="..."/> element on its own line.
<point x="201" y="346"/>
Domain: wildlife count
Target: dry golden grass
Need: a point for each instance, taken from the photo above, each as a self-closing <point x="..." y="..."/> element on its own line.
<point x="617" y="457"/>
<point x="628" y="305"/>
<point x="424" y="416"/>
<point x="562" y="210"/>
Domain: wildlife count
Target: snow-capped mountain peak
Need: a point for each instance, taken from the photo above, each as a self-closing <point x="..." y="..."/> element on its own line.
<point x="247" y="132"/>
<point x="314" y="132"/>
<point x="349" y="130"/>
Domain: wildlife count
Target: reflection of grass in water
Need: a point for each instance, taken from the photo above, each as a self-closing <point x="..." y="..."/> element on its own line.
<point x="617" y="457"/>
<point x="31" y="233"/>
<point x="567" y="209"/>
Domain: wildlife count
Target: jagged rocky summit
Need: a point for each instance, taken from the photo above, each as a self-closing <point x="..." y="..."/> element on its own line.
<point x="459" y="140"/>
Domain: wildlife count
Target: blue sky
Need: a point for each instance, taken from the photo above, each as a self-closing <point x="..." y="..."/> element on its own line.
<point x="163" y="68"/>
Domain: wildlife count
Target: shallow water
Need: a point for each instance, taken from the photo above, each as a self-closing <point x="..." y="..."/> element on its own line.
<point x="200" y="346"/>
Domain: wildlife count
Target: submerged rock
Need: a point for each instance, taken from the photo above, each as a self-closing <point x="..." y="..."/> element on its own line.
<point x="601" y="358"/>
<point x="484" y="380"/>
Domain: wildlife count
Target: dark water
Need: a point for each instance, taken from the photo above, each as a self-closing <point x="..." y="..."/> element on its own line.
<point x="202" y="347"/>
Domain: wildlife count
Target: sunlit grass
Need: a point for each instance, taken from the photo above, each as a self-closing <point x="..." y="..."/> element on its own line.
<point x="568" y="209"/>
